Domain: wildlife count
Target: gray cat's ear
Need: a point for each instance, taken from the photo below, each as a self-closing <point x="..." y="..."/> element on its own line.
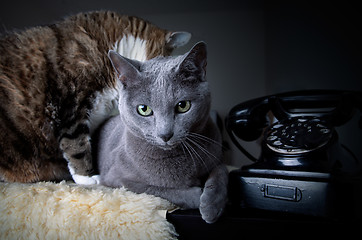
<point x="177" y="39"/>
<point x="194" y="62"/>
<point x="127" y="69"/>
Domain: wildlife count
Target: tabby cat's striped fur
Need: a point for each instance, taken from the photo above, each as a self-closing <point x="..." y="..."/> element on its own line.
<point x="57" y="85"/>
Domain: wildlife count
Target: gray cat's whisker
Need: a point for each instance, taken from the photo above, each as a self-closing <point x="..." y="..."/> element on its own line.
<point x="193" y="152"/>
<point x="184" y="145"/>
<point x="196" y="153"/>
<point x="206" y="139"/>
<point x="203" y="149"/>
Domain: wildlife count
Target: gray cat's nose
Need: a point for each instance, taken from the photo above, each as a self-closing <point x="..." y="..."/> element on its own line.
<point x="166" y="136"/>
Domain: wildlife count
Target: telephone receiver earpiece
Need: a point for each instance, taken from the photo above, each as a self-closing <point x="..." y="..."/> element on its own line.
<point x="248" y="120"/>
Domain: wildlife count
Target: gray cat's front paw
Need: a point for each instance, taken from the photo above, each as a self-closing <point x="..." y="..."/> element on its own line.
<point x="212" y="203"/>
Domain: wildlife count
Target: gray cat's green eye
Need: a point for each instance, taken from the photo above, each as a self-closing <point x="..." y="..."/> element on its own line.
<point x="183" y="106"/>
<point x="144" y="110"/>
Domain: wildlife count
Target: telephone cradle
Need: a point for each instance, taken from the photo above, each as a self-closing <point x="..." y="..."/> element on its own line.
<point x="302" y="168"/>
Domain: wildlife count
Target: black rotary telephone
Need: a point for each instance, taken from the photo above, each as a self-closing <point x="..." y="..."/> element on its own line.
<point x="302" y="167"/>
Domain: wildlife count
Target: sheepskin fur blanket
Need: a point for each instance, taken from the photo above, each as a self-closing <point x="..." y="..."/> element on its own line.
<point x="65" y="210"/>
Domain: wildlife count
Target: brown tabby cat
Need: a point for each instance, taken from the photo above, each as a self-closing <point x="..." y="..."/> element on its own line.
<point x="57" y="85"/>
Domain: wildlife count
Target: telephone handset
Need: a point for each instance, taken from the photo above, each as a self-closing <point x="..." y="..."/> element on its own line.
<point x="306" y="119"/>
<point x="302" y="164"/>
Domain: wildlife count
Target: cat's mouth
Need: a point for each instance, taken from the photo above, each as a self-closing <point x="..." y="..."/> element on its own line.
<point x="168" y="146"/>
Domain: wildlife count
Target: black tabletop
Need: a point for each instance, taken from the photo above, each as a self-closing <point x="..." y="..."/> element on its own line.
<point x="238" y="223"/>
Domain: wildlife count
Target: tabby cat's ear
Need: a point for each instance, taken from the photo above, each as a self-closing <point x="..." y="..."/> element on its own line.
<point x="194" y="62"/>
<point x="127" y="69"/>
<point x="177" y="39"/>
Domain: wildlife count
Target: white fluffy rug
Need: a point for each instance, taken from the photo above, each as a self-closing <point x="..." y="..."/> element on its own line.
<point x="67" y="211"/>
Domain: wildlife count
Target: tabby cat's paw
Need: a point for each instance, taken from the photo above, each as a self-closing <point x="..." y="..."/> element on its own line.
<point x="86" y="180"/>
<point x="97" y="178"/>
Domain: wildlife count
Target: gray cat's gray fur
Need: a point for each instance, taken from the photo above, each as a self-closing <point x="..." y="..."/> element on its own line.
<point x="173" y="152"/>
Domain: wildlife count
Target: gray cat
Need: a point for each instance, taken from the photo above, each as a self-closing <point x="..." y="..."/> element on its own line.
<point x="164" y="142"/>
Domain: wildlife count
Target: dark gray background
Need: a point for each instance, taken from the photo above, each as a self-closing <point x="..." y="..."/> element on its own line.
<point x="255" y="47"/>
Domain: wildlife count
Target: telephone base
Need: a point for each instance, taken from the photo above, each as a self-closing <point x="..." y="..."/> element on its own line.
<point x="298" y="192"/>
